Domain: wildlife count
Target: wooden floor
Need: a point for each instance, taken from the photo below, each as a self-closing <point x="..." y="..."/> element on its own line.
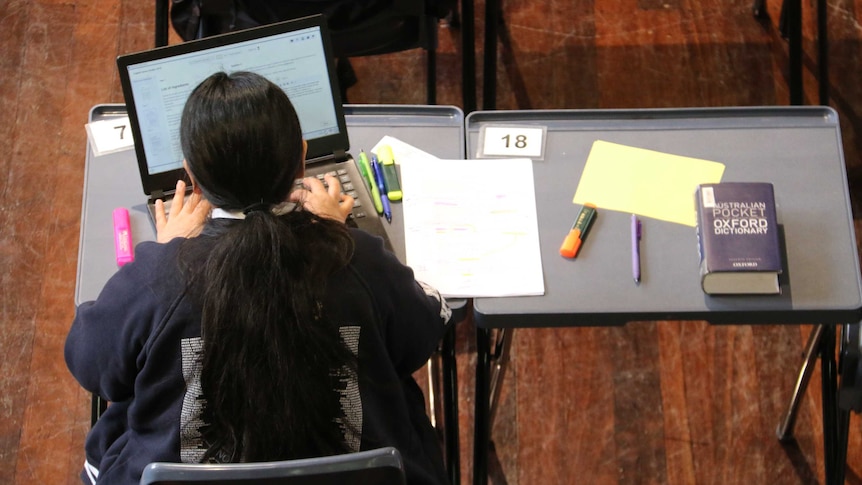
<point x="651" y="402"/>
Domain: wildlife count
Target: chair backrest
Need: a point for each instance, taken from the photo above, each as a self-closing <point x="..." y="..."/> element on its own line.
<point x="382" y="466"/>
<point x="364" y="28"/>
<point x="357" y="29"/>
<point x="404" y="25"/>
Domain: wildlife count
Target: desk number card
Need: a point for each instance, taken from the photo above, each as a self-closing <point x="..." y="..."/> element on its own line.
<point x="110" y="135"/>
<point x="512" y="141"/>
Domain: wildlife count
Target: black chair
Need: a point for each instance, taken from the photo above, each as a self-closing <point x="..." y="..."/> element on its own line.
<point x="443" y="402"/>
<point x="442" y="406"/>
<point x="382" y="466"/>
<point x="405" y="25"/>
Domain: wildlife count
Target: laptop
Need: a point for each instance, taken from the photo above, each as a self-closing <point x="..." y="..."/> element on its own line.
<point x="296" y="55"/>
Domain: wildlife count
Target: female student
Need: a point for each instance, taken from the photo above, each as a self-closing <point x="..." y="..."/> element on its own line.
<point x="258" y="327"/>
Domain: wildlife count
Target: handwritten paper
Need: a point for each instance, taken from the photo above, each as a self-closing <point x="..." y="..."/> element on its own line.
<point x="644" y="182"/>
<point x="470" y="226"/>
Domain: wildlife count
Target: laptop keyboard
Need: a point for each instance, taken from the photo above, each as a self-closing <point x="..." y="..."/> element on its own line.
<point x="347" y="188"/>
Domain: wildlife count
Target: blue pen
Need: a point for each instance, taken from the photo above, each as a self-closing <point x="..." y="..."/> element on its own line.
<point x="636" y="250"/>
<point x="378" y="177"/>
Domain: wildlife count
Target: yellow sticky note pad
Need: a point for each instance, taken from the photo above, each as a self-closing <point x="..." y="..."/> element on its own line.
<point x="645" y="182"/>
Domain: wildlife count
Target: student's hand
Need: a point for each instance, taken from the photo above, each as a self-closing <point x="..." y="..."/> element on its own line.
<point x="186" y="218"/>
<point x="326" y="202"/>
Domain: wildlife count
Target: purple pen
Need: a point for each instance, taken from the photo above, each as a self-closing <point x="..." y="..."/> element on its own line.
<point x="636" y="250"/>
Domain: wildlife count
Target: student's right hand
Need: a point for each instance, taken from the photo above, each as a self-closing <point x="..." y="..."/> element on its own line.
<point x="326" y="202"/>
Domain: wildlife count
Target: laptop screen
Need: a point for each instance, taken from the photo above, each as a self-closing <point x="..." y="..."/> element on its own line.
<point x="294" y="55"/>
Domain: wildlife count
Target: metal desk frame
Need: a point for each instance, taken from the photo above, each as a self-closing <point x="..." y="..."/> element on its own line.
<point x="801" y="140"/>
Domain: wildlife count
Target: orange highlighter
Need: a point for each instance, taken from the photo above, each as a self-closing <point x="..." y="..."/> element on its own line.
<point x="579" y="230"/>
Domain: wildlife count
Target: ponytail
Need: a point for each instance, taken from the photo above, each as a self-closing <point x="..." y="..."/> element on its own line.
<point x="271" y="359"/>
<point x="270" y="355"/>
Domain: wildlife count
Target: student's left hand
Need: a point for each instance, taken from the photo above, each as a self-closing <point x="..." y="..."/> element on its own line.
<point x="187" y="217"/>
<point x="326" y="202"/>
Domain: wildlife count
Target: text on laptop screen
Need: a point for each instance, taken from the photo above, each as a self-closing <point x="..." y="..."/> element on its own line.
<point x="295" y="61"/>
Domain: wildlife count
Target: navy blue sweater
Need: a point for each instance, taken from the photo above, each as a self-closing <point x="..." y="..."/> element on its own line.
<point x="133" y="344"/>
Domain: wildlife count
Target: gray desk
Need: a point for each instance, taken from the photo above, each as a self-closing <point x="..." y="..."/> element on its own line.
<point x="112" y="181"/>
<point x="797" y="149"/>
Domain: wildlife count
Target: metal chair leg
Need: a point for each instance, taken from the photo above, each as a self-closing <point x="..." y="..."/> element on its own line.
<point x="431" y="76"/>
<point x="161" y="35"/>
<point x="432" y="369"/>
<point x="790" y="26"/>
<point x="468" y="56"/>
<point x="822" y="53"/>
<point x="489" y="64"/>
<point x="792" y="13"/>
<point x="97" y="408"/>
<point x="499" y="364"/>
<point x="758" y="8"/>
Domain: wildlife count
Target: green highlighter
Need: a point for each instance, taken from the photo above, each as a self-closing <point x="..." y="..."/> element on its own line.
<point x="368" y="176"/>
<point x="390" y="173"/>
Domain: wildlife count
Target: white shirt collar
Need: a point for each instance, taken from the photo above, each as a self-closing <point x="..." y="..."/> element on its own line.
<point x="219" y="213"/>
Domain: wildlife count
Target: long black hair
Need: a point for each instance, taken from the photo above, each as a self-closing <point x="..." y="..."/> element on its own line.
<point x="270" y="356"/>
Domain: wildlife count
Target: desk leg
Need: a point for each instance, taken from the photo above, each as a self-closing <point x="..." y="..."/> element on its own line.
<point x="812" y="351"/>
<point x="849" y="390"/>
<point x="450" y="410"/>
<point x="481" y="427"/>
<point x="829" y="377"/>
<point x="840" y="419"/>
<point x="843" y="411"/>
<point x="841" y="445"/>
<point x="836" y="421"/>
<point x="499" y="362"/>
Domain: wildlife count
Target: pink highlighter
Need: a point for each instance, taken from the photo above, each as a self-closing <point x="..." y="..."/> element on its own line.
<point x="123" y="236"/>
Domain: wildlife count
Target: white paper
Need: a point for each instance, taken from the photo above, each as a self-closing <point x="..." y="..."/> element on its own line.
<point x="470" y="226"/>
